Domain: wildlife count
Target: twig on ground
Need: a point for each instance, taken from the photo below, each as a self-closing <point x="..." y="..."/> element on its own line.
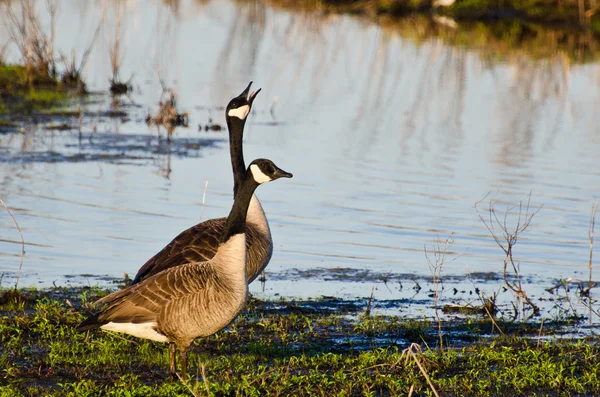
<point x="22" y="243"/>
<point x="410" y="353"/>
<point x="406" y="354"/>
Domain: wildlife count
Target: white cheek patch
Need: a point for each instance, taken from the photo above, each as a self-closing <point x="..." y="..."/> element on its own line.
<point x="240" y="112"/>
<point x="258" y="175"/>
<point x="141" y="330"/>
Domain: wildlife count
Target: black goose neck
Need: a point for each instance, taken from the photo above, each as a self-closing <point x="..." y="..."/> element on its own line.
<point x="236" y="137"/>
<point x="236" y="221"/>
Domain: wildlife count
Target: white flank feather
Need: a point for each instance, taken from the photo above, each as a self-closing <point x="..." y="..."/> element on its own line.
<point x="141" y="330"/>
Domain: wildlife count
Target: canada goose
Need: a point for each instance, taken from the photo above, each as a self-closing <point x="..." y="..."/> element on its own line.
<point x="199" y="243"/>
<point x="196" y="299"/>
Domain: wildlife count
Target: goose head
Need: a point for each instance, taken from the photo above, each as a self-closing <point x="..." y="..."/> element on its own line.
<point x="263" y="170"/>
<point x="239" y="107"/>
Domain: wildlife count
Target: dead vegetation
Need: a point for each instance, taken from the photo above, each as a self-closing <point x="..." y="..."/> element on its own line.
<point x="35" y="45"/>
<point x="506" y="237"/>
<point x="118" y="87"/>
<point x="167" y="115"/>
<point x="436" y="261"/>
<point x="37" y="49"/>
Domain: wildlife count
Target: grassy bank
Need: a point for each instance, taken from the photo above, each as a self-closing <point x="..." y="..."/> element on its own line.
<point x="499" y="29"/>
<point x="319" y="347"/>
<point x="581" y="14"/>
<point x="23" y="91"/>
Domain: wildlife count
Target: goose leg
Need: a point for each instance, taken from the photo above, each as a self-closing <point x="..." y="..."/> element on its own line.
<point x="184" y="370"/>
<point x="172" y="361"/>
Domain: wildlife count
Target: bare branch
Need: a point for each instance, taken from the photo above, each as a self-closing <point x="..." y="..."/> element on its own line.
<point x="510" y="238"/>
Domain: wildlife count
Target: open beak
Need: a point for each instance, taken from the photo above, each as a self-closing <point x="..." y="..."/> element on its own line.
<point x="249" y="96"/>
<point x="253" y="95"/>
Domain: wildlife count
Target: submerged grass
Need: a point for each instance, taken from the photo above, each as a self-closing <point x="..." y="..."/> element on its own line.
<point x="322" y="347"/>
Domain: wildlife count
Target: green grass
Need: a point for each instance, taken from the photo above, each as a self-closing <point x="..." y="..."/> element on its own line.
<point x="544" y="11"/>
<point x="284" y="348"/>
<point x="24" y="92"/>
<point x="501" y="30"/>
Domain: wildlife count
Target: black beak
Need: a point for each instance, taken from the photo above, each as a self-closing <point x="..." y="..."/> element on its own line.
<point x="246" y="91"/>
<point x="253" y="95"/>
<point x="279" y="173"/>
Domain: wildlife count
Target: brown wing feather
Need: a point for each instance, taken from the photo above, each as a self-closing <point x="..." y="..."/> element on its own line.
<point x="199" y="243"/>
<point x="143" y="302"/>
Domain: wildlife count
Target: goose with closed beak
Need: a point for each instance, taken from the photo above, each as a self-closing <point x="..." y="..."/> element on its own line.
<point x="199" y="243"/>
<point x="192" y="300"/>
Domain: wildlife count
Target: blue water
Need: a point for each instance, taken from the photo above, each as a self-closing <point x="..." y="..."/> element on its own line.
<point x="391" y="144"/>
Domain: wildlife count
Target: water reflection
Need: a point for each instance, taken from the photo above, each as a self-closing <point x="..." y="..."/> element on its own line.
<point x="394" y="135"/>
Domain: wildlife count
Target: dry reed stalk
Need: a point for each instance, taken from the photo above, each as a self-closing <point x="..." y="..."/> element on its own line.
<point x="406" y="354"/>
<point x="591" y="238"/>
<point x="203" y="199"/>
<point x="194" y="390"/>
<point x="540" y="334"/>
<point x="435" y="266"/>
<point x="370" y="302"/>
<point x="410" y="353"/>
<point x="52" y="8"/>
<point x="3" y="53"/>
<point x="116" y="86"/>
<point x="22" y="243"/>
<point x="590" y="262"/>
<point x="205" y="379"/>
<point x="72" y="74"/>
<point x="167" y="115"/>
<point x="115" y="51"/>
<point x="25" y="31"/>
<point x="510" y="237"/>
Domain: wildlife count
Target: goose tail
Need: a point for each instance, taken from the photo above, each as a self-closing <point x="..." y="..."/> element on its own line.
<point x="91" y="322"/>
